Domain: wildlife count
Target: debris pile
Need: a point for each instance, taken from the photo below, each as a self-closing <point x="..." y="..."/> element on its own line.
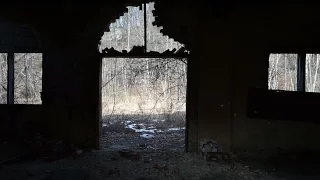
<point x="129" y="154"/>
<point x="50" y="150"/>
<point x="160" y="166"/>
<point x="210" y="150"/>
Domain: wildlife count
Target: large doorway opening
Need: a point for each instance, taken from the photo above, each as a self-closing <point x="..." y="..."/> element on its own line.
<point x="144" y="85"/>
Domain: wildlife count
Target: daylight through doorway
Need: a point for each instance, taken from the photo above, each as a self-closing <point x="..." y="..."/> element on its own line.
<point x="144" y="103"/>
<point x="144" y="84"/>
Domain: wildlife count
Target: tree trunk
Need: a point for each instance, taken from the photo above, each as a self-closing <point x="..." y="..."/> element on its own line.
<point x="276" y="72"/>
<point x="310" y="74"/>
<point x="27" y="78"/>
<point x="129" y="30"/>
<point x="285" y="71"/>
<point x="315" y="74"/>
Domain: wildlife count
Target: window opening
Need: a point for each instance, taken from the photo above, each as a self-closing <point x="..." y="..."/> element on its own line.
<point x="294" y="72"/>
<point x="123" y="38"/>
<point x="312" y="73"/>
<point x="20" y="73"/>
<point x="154" y="43"/>
<point x="27" y="78"/>
<point x="283" y="72"/>
<point x="3" y="78"/>
<point x="139" y="37"/>
<point x="20" y="78"/>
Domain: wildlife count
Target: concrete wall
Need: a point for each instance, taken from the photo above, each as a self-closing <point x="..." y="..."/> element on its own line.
<point x="13" y="119"/>
<point x="277" y="29"/>
<point x="233" y="54"/>
<point x="229" y="55"/>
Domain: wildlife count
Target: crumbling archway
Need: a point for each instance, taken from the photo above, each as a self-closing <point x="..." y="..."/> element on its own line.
<point x="178" y="23"/>
<point x="114" y="45"/>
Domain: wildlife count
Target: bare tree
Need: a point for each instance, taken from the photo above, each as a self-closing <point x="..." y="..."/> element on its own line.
<point x="28" y="78"/>
<point x="312" y="69"/>
<point x="283" y="72"/>
<point x="3" y="78"/>
<point x="148" y="86"/>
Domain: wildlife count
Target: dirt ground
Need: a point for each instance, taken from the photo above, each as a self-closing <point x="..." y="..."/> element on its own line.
<point x="158" y="165"/>
<point x="129" y="154"/>
<point x="143" y="136"/>
<point x="152" y="165"/>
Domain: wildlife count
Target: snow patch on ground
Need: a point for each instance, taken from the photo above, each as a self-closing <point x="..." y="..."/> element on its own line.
<point x="176" y="129"/>
<point x="157" y="120"/>
<point x="146" y="130"/>
<point x="148" y="136"/>
<point x="142" y="130"/>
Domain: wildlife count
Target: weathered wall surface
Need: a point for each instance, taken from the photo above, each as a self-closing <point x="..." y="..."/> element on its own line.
<point x="13" y="119"/>
<point x="276" y="29"/>
<point x="229" y="54"/>
<point x="232" y="55"/>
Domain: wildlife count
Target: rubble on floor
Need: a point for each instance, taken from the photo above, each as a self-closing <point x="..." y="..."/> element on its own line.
<point x="140" y="162"/>
<point x="127" y="156"/>
<point x="40" y="147"/>
<point x="115" y="165"/>
<point x="37" y="148"/>
<point x="10" y="152"/>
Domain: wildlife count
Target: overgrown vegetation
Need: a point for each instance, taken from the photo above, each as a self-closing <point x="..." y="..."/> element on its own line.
<point x="283" y="72"/>
<point x="27" y="78"/>
<point x="3" y="78"/>
<point x="142" y="88"/>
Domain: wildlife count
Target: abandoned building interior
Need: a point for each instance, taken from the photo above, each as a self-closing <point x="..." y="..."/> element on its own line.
<point x="249" y="97"/>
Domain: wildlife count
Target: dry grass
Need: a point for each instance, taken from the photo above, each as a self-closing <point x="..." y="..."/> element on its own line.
<point x="160" y="121"/>
<point x="136" y="105"/>
<point x="160" y="113"/>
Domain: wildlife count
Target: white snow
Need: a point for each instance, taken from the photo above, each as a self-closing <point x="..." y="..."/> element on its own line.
<point x="143" y="130"/>
<point x="104" y="125"/>
<point x="131" y="126"/>
<point x="146" y="130"/>
<point x="157" y="120"/>
<point x="148" y="136"/>
<point x="175" y="129"/>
